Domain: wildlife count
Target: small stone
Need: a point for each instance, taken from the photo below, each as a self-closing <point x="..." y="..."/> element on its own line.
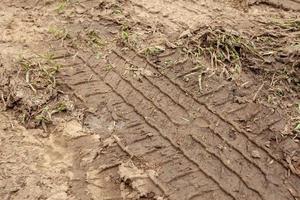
<point x="170" y="44"/>
<point x="268" y="144"/>
<point x="255" y="154"/>
<point x="80" y="10"/>
<point x="109" y="142"/>
<point x="146" y="72"/>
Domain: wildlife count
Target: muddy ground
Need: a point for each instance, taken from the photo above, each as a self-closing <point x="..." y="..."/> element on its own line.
<point x="135" y="99"/>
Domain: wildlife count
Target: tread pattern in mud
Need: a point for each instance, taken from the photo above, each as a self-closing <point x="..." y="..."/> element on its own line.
<point x="146" y="141"/>
<point x="196" y="152"/>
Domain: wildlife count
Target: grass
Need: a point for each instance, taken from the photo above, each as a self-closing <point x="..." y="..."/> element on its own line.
<point x="45" y="115"/>
<point x="116" y="9"/>
<point x="289" y="25"/>
<point x="40" y="72"/>
<point x="94" y="40"/>
<point x="153" y="51"/>
<point x="40" y="76"/>
<point x="272" y="55"/>
<point x="168" y="63"/>
<point x="59" y="33"/>
<point x="222" y="48"/>
<point x="125" y="33"/>
<point x="297" y="127"/>
<point x="62" y="5"/>
<point x="126" y="37"/>
<point x="297" y="124"/>
<point x="108" y="67"/>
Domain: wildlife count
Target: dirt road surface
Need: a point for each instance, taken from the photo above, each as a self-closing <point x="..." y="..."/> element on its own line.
<point x="135" y="99"/>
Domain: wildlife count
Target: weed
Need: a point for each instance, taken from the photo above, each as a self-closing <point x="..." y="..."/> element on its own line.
<point x="116" y="9"/>
<point x="40" y="73"/>
<point x="48" y="56"/>
<point x="125" y="35"/>
<point x="62" y="6"/>
<point x="95" y="40"/>
<point x="168" y="63"/>
<point x="153" y="51"/>
<point x="60" y="107"/>
<point x="26" y="65"/>
<point x="108" y="67"/>
<point x="98" y="55"/>
<point x="223" y="48"/>
<point x="59" y="33"/>
<point x="292" y="25"/>
<point x="33" y="90"/>
<point x="44" y="117"/>
<point x="297" y="127"/>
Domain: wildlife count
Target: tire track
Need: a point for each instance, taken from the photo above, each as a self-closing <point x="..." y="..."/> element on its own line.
<point x="131" y="96"/>
<point x="173" y="144"/>
<point x="258" y="166"/>
<point x="152" y="125"/>
<point x="171" y="77"/>
<point x="190" y="106"/>
<point x="139" y="92"/>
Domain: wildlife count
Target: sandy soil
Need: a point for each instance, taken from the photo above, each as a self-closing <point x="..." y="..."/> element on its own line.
<point x="157" y="99"/>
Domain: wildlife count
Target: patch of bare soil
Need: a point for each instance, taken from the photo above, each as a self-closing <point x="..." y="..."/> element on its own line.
<point x="150" y="100"/>
<point x="33" y="167"/>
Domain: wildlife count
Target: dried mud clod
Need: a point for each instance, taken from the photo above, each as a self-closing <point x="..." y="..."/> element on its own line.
<point x="30" y="90"/>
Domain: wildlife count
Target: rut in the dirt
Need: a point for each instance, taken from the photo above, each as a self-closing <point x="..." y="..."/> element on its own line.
<point x="165" y="124"/>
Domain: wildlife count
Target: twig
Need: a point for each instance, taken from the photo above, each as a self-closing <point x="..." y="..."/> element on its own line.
<point x="122" y="146"/>
<point x="91" y="77"/>
<point x="4" y="102"/>
<point x="28" y="81"/>
<point x="200" y="82"/>
<point x="259" y="89"/>
<point x="190" y="71"/>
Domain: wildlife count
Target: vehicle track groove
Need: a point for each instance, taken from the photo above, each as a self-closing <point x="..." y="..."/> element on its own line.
<point x="133" y="86"/>
<point x="167" y="138"/>
<point x="133" y="91"/>
<point x="239" y="130"/>
<point x="211" y="110"/>
<point x="217" y="134"/>
<point x="234" y="171"/>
